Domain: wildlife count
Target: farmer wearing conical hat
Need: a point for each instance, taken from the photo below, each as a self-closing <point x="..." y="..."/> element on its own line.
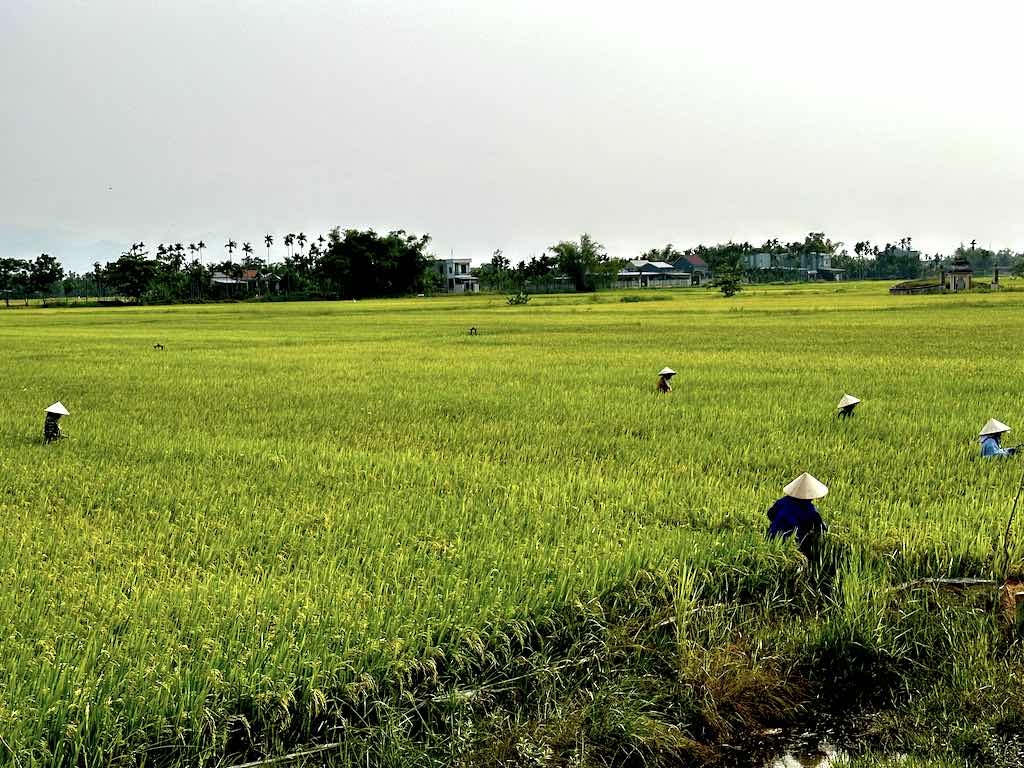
<point x="663" y="379"/>
<point x="51" y="429"/>
<point x="795" y="513"/>
<point x="990" y="436"/>
<point x="846" y="406"/>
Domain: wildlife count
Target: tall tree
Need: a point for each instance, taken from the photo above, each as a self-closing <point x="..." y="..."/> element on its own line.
<point x="13" y="278"/>
<point x="578" y="261"/>
<point x="362" y="263"/>
<point x="668" y="254"/>
<point x="132" y="274"/>
<point x="43" y="273"/>
<point x="268" y="240"/>
<point x="230" y="245"/>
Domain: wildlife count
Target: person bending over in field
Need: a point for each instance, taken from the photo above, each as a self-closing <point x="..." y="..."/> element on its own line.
<point x="795" y="514"/>
<point x="664" y="377"/>
<point x="51" y="429"/>
<point x="990" y="436"/>
<point x="846" y="406"/>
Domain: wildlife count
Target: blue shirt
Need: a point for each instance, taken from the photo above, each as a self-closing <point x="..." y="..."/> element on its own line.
<point x="990" y="447"/>
<point x="789" y="515"/>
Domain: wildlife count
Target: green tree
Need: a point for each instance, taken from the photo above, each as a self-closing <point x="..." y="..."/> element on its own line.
<point x="729" y="281"/>
<point x="13" y="278"/>
<point x="579" y="261"/>
<point x="132" y="274"/>
<point x="361" y="263"/>
<point x="43" y="273"/>
<point x="667" y="253"/>
<point x="497" y="273"/>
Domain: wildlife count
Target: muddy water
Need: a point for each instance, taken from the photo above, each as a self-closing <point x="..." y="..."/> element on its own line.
<point x="790" y="748"/>
<point x="823" y="754"/>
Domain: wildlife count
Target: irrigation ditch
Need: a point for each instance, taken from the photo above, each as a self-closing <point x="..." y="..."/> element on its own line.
<point x="683" y="669"/>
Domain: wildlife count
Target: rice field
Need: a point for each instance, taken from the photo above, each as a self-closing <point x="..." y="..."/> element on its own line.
<point x="292" y="500"/>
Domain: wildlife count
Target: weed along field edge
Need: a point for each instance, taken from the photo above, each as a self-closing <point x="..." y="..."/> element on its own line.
<point x="354" y="527"/>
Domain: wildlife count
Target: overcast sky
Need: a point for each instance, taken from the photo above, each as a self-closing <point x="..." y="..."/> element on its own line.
<point x="508" y="124"/>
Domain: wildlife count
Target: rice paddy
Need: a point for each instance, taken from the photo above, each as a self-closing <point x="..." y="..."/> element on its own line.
<point x="291" y="504"/>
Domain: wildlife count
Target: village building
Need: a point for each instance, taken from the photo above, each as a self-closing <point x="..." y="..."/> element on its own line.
<point x="250" y="280"/>
<point x="805" y="266"/>
<point x="455" y="275"/>
<point x="681" y="273"/>
<point x="696" y="266"/>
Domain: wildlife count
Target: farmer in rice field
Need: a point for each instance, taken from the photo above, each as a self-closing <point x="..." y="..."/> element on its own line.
<point x="795" y="514"/>
<point x="846" y="406"/>
<point x="664" y="375"/>
<point x="989" y="438"/>
<point x="51" y="429"/>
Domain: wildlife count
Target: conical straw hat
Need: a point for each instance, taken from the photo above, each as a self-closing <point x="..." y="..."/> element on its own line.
<point x="58" y="408"/>
<point x="806" y="487"/>
<point x="666" y="372"/>
<point x="848" y="400"/>
<point x="993" y="427"/>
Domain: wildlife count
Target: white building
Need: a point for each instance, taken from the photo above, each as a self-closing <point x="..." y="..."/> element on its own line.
<point x="455" y="276"/>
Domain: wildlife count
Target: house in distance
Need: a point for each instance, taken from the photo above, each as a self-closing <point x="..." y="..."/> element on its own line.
<point x="455" y="275"/>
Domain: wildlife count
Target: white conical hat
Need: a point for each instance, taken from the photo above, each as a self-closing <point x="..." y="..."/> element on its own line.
<point x="993" y="427"/>
<point x="848" y="400"/>
<point x="666" y="372"/>
<point x="806" y="487"/>
<point x="58" y="408"/>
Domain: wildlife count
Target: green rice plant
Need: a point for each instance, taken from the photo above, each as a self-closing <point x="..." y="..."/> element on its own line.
<point x="297" y="510"/>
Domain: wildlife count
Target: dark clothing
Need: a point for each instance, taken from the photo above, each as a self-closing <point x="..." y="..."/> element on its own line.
<point x="799" y="516"/>
<point x="51" y="429"/>
<point x="663" y="384"/>
<point x="846" y="411"/>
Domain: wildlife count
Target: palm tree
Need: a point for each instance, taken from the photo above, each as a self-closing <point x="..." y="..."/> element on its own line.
<point x="230" y="245"/>
<point x="192" y="248"/>
<point x="268" y="240"/>
<point x="200" y="246"/>
<point x="288" y="240"/>
<point x="247" y="250"/>
<point x="176" y="260"/>
<point x="301" y="240"/>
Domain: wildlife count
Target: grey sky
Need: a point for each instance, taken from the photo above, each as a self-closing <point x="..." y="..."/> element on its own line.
<point x="508" y="124"/>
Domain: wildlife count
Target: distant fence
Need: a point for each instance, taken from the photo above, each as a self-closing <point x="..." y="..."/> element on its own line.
<point x="682" y="282"/>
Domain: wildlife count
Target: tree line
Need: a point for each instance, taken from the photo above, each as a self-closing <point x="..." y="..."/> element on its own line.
<point x="347" y="263"/>
<point x="353" y="263"/>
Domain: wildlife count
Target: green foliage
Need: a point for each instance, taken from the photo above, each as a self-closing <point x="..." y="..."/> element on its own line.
<point x="667" y="253"/>
<point x="518" y="299"/>
<point x="131" y="274"/>
<point x="43" y="273"/>
<point x="633" y="298"/>
<point x="578" y="261"/>
<point x="361" y="263"/>
<point x="728" y="281"/>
